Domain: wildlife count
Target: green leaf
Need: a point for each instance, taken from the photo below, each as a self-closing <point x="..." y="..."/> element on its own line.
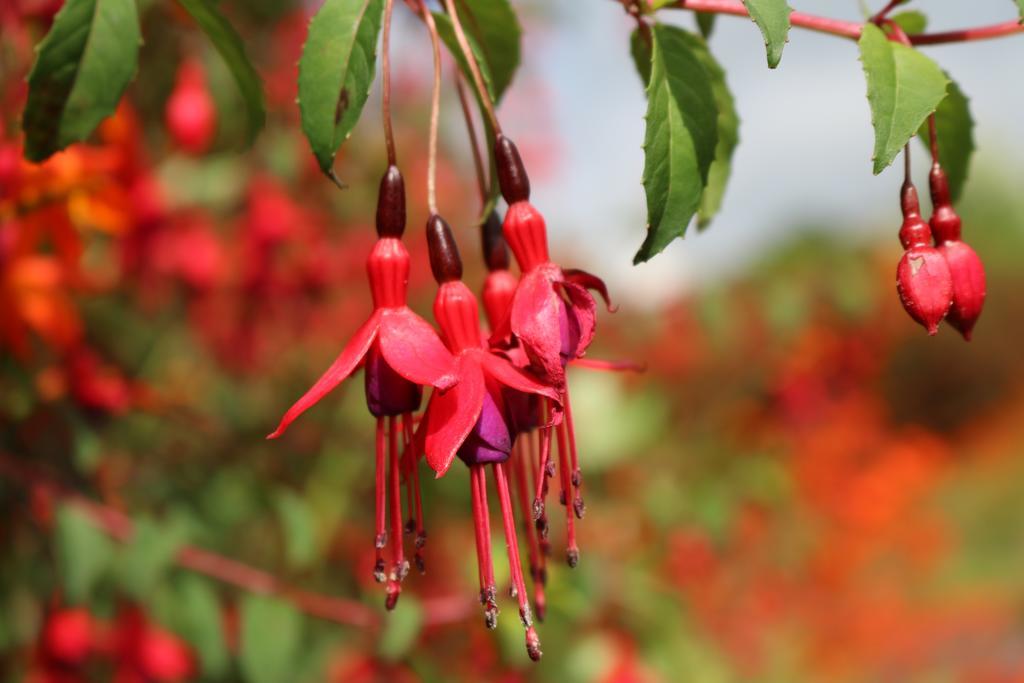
<point x="299" y="529"/>
<point x="772" y="17"/>
<point x="198" y="619"/>
<point x="229" y="45"/>
<point x="680" y="138"/>
<point x="706" y="23"/>
<point x="82" y="67"/>
<point x="912" y="21"/>
<point x="495" y="29"/>
<point x="728" y="135"/>
<point x="83" y="553"/>
<point x="446" y="31"/>
<point x="1020" y="6"/>
<point x="401" y="629"/>
<point x="642" y="55"/>
<point x="147" y="556"/>
<point x="271" y="632"/>
<point x="336" y="71"/>
<point x="904" y="87"/>
<point x="954" y="129"/>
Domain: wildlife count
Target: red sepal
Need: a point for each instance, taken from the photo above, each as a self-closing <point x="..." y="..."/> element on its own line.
<point x="584" y="308"/>
<point x="535" y="319"/>
<point x="412" y="348"/>
<point x="343" y="366"/>
<point x="452" y="415"/>
<point x="590" y="281"/>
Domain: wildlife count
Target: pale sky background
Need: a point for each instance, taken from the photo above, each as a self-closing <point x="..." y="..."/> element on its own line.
<point x="806" y="137"/>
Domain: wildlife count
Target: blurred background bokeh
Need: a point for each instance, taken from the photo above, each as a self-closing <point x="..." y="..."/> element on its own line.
<point x="802" y="486"/>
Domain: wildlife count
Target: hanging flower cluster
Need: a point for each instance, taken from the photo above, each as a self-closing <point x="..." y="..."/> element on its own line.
<point x="496" y="401"/>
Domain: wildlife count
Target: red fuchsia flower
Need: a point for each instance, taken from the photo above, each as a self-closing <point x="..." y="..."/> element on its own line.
<point x="922" y="276"/>
<point x="552" y="318"/>
<point x="400" y="353"/>
<point x="191" y="114"/>
<point x="67" y="637"/>
<point x="470" y="419"/>
<point x="965" y="268"/>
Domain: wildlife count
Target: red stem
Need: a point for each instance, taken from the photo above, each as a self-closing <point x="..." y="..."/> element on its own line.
<point x="852" y="29"/>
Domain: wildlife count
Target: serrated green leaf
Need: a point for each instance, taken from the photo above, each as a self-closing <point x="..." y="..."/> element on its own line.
<point x="401" y="629"/>
<point x="680" y="138"/>
<point x="83" y="553"/>
<point x="150" y="552"/>
<point x="912" y="21"/>
<point x="706" y="23"/>
<point x="772" y="17"/>
<point x="495" y="29"/>
<point x="954" y="129"/>
<point x="81" y="70"/>
<point x="904" y="87"/>
<point x="336" y="71"/>
<point x="198" y="619"/>
<point x="728" y="120"/>
<point x="271" y="632"/>
<point x="298" y="527"/>
<point x="232" y="51"/>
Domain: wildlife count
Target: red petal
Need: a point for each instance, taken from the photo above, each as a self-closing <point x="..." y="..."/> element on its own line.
<point x="585" y="310"/>
<point x="590" y="281"/>
<point x="343" y="366"/>
<point x="452" y="414"/>
<point x="509" y="375"/>
<point x="413" y="349"/>
<point x="535" y="319"/>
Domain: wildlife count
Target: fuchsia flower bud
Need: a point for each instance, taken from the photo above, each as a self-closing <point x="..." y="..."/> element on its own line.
<point x="965" y="267"/>
<point x="922" y="276"/>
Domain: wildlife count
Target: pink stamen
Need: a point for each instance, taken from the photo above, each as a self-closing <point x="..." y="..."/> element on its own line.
<point x="543" y="467"/>
<point x="399" y="567"/>
<point x="512" y="543"/>
<point x="381" y="538"/>
<point x="577" y="474"/>
<point x="519" y="473"/>
<point x="572" y="553"/>
<point x="481" y="519"/>
<point x="414" y="464"/>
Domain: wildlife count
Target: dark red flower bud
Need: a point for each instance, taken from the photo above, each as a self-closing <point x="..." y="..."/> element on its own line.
<point x="191" y="114"/>
<point x="495" y="247"/>
<point x="512" y="178"/>
<point x="968" y="277"/>
<point x="445" y="263"/>
<point x="391" y="204"/>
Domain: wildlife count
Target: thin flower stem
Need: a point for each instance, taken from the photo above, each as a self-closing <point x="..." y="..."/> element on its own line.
<point x="435" y="109"/>
<point x="467" y="114"/>
<point x="474" y="67"/>
<point x="884" y="12"/>
<point x="906" y="164"/>
<point x="933" y="138"/>
<point x="852" y="29"/>
<point x="385" y="99"/>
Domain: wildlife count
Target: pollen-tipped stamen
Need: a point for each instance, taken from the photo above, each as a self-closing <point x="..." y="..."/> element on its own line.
<point x="481" y="522"/>
<point x="519" y="473"/>
<point x="541" y="475"/>
<point x="577" y="475"/>
<point x="381" y="539"/>
<point x="414" y="466"/>
<point x="572" y="553"/>
<point x="399" y="565"/>
<point x="515" y="565"/>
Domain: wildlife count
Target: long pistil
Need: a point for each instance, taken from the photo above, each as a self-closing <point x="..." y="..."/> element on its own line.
<point x="381" y="539"/>
<point x="519" y="474"/>
<point x="572" y="553"/>
<point x="515" y="566"/>
<point x="481" y="521"/>
<point x="399" y="567"/>
<point x="413" y="457"/>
